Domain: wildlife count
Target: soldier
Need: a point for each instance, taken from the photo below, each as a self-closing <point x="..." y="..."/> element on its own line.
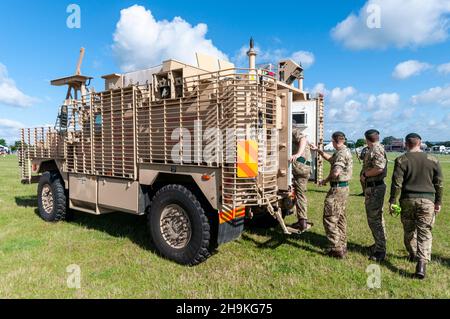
<point x="418" y="179"/>
<point x="361" y="158"/>
<point x="334" y="216"/>
<point x="372" y="176"/>
<point x="301" y="171"/>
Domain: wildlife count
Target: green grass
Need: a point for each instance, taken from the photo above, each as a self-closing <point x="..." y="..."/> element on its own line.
<point x="116" y="260"/>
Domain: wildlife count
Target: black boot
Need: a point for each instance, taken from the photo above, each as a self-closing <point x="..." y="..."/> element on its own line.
<point x="370" y="249"/>
<point x="339" y="254"/>
<point x="421" y="269"/>
<point x="378" y="256"/>
<point x="301" y="225"/>
<point x="412" y="257"/>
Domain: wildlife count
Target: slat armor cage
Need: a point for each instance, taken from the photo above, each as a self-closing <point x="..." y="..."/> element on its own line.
<point x="112" y="133"/>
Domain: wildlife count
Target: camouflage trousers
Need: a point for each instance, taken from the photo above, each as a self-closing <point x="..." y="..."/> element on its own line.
<point x="418" y="219"/>
<point x="301" y="174"/>
<point x="335" y="219"/>
<point x="374" y="201"/>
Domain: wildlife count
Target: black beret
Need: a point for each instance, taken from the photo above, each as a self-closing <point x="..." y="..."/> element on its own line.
<point x="337" y="134"/>
<point x="370" y="133"/>
<point x="413" y="135"/>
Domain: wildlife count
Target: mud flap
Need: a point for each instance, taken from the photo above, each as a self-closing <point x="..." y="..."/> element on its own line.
<point x="230" y="230"/>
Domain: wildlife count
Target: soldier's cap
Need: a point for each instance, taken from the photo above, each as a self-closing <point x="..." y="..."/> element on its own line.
<point x="337" y="135"/>
<point x="413" y="135"/>
<point x="371" y="132"/>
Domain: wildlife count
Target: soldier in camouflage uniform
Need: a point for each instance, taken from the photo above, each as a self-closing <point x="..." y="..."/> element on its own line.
<point x="334" y="216"/>
<point x="418" y="180"/>
<point x="372" y="176"/>
<point x="301" y="171"/>
<point x="361" y="157"/>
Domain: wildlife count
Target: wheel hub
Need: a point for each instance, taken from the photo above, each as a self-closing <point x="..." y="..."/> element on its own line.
<point x="175" y="226"/>
<point x="47" y="199"/>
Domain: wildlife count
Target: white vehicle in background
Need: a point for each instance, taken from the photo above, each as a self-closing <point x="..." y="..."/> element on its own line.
<point x="4" y="150"/>
<point x="447" y="151"/>
<point x="440" y="149"/>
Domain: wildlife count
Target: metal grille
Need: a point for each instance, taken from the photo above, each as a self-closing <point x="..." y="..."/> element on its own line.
<point x="40" y="143"/>
<point x="110" y="132"/>
<point x="178" y="130"/>
<point x="78" y="146"/>
<point x="216" y="111"/>
<point x="113" y="133"/>
<point x="249" y="103"/>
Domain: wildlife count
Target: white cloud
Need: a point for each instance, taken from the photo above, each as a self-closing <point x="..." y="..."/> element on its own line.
<point x="10" y="124"/>
<point x="347" y="113"/>
<point x="141" y="41"/>
<point x="354" y="112"/>
<point x="339" y="96"/>
<point x="10" y="94"/>
<point x="444" y="68"/>
<point x="409" y="68"/>
<point x="433" y="96"/>
<point x="304" y="57"/>
<point x="403" y="23"/>
<point x="10" y="130"/>
<point x="319" y="88"/>
<point x="273" y="56"/>
<point x="383" y="105"/>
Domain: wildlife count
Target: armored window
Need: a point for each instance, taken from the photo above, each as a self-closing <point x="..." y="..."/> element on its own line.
<point x="300" y="118"/>
<point x="98" y="122"/>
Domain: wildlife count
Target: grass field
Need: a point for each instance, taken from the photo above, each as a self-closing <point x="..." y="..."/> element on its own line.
<point x="117" y="262"/>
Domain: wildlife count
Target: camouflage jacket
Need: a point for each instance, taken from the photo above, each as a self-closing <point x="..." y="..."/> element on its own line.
<point x="297" y="135"/>
<point x="342" y="158"/>
<point x="375" y="157"/>
<point x="417" y="175"/>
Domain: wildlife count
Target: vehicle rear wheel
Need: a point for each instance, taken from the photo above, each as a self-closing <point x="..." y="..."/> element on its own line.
<point x="52" y="199"/>
<point x="178" y="225"/>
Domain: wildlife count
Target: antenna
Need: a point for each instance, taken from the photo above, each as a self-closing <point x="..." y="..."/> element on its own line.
<point x="80" y="61"/>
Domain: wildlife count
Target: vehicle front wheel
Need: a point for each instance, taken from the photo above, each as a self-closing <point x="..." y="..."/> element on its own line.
<point x="178" y="225"/>
<point x="52" y="199"/>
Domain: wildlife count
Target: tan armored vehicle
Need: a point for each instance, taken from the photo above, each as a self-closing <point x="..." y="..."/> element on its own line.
<point x="199" y="149"/>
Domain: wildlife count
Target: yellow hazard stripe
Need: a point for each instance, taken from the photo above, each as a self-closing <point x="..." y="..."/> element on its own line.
<point x="226" y="216"/>
<point x="247" y="164"/>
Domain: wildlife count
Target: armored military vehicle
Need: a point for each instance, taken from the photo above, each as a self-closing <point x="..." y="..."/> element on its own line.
<point x="197" y="148"/>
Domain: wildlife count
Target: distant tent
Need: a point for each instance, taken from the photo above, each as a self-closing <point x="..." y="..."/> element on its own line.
<point x="329" y="147"/>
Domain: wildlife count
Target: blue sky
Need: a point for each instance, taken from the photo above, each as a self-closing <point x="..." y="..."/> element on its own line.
<point x="353" y="65"/>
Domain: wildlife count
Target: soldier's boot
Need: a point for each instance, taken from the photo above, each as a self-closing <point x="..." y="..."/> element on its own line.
<point x="378" y="256"/>
<point x="371" y="249"/>
<point x="421" y="269"/>
<point x="344" y="250"/>
<point x="301" y="225"/>
<point x="339" y="254"/>
<point x="412" y="257"/>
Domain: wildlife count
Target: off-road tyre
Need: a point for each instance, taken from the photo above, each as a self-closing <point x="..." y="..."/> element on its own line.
<point x="58" y="211"/>
<point x="197" y="248"/>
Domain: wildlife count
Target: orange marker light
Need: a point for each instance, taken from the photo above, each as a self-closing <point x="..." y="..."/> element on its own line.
<point x="206" y="177"/>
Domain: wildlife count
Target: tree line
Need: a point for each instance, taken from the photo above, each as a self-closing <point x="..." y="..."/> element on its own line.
<point x="389" y="139"/>
<point x="13" y="147"/>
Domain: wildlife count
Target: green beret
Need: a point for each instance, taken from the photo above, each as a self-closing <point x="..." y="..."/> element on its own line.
<point x="370" y="133"/>
<point x="413" y="135"/>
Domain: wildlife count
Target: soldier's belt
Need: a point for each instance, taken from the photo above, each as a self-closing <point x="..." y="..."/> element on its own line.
<point x="303" y="161"/>
<point x="425" y="195"/>
<point x="374" y="184"/>
<point x="339" y="184"/>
